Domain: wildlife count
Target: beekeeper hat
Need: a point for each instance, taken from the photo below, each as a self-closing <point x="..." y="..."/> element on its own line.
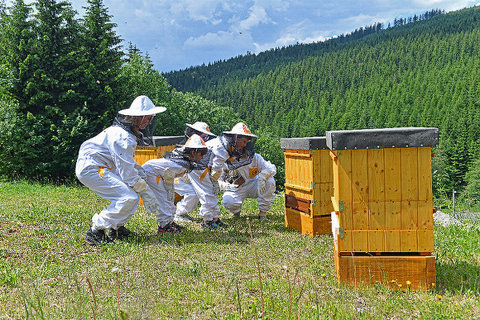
<point x="142" y="106"/>
<point x="195" y="142"/>
<point x="241" y="129"/>
<point x="201" y="127"/>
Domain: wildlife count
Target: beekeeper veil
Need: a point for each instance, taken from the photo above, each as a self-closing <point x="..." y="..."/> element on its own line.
<point x="238" y="158"/>
<point x="131" y="118"/>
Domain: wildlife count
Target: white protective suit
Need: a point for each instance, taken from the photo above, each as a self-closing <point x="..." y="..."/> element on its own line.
<point x="201" y="187"/>
<point x="106" y="165"/>
<point x="160" y="176"/>
<point x="234" y="196"/>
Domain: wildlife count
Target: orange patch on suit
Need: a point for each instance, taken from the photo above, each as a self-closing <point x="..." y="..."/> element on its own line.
<point x="101" y="170"/>
<point x="204" y="174"/>
<point x="253" y="172"/>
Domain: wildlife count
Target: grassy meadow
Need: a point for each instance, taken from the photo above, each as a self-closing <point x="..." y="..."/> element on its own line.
<point x="47" y="271"/>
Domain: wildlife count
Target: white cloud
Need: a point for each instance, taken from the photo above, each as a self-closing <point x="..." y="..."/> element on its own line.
<point x="207" y="11"/>
<point x="213" y="41"/>
<point x="256" y="16"/>
<point x="181" y="33"/>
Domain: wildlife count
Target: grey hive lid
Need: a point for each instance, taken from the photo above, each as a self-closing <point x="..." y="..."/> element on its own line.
<point x="382" y="138"/>
<point x="307" y="143"/>
<point x="160" y="141"/>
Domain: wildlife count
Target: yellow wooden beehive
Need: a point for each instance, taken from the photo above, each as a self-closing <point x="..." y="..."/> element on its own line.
<point x="383" y="200"/>
<point x="161" y="144"/>
<point x="308" y="185"/>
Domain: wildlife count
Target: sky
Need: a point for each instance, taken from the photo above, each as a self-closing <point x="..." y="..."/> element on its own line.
<point x="177" y="34"/>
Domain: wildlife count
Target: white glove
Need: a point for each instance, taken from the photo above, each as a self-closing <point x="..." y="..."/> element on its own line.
<point x="216" y="174"/>
<point x="262" y="186"/>
<point x="168" y="176"/>
<point x="170" y="191"/>
<point x="226" y="186"/>
<point x="140" y="186"/>
<point x="216" y="187"/>
<point x="185" y="178"/>
<point x="262" y="181"/>
<point x="149" y="201"/>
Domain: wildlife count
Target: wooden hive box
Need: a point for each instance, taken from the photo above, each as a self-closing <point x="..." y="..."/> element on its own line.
<point x="308" y="185"/>
<point x="161" y="144"/>
<point x="383" y="202"/>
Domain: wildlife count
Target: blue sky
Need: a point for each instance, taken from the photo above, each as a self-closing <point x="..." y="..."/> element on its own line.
<point x="181" y="33"/>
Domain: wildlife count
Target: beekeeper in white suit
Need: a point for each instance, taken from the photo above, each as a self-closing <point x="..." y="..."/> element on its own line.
<point x="230" y="145"/>
<point x="183" y="185"/>
<point x="205" y="181"/>
<point x="161" y="174"/>
<point x="247" y="175"/>
<point x="106" y="165"/>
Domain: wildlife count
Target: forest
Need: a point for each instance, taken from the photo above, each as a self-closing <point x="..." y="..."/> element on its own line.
<point x="62" y="80"/>
<point x="421" y="71"/>
<point x="63" y="77"/>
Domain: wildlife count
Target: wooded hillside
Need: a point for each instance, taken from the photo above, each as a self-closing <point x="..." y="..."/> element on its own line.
<point x="420" y="72"/>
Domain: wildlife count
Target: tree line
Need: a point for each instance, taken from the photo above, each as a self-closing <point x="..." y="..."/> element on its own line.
<point x="62" y="80"/>
<point x="419" y="72"/>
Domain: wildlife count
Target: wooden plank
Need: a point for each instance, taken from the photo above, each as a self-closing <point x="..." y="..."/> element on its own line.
<point x="323" y="167"/>
<point x="299" y="191"/>
<point x="393" y="173"/>
<point x="345" y="244"/>
<point x="344" y="186"/>
<point x="335" y="176"/>
<point x="376" y="189"/>
<point x="425" y="214"/>
<point x="143" y="154"/>
<point x="425" y="240"/>
<point x="360" y="182"/>
<point x="424" y="174"/>
<point x="298" y="204"/>
<point x="376" y="175"/>
<point x="306" y="225"/>
<point x="376" y="241"/>
<point x="392" y="241"/>
<point x="377" y="216"/>
<point x="288" y="170"/>
<point x="162" y="149"/>
<point x="409" y="173"/>
<point x="409" y="215"/>
<point x="393" y="218"/>
<point x="324" y="202"/>
<point x="364" y="271"/>
<point x="360" y="187"/>
<point x="360" y="241"/>
<point x="408" y="241"/>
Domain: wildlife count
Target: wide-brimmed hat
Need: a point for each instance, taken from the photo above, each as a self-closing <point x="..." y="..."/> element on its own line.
<point x="195" y="142"/>
<point x="241" y="129"/>
<point x="201" y="127"/>
<point x="142" y="106"/>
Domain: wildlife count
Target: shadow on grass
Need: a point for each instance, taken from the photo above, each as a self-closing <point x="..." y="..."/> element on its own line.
<point x="237" y="232"/>
<point x="458" y="277"/>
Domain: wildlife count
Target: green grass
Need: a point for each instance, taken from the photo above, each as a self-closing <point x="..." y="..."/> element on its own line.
<point x="46" y="268"/>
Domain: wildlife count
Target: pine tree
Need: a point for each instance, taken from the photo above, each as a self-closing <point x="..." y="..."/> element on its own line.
<point x="17" y="41"/>
<point x="102" y="62"/>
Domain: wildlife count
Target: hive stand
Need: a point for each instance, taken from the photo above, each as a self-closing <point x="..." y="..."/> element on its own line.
<point x="382" y="222"/>
<point x="308" y="185"/>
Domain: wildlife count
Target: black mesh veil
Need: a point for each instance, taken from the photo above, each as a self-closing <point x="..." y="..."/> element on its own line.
<point x="144" y="136"/>
<point x="238" y="158"/>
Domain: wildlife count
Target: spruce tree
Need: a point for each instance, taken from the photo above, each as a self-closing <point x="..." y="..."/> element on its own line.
<point x="102" y="62"/>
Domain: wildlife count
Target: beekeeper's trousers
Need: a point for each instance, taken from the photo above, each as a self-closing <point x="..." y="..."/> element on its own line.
<point x="124" y="200"/>
<point x="233" y="198"/>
